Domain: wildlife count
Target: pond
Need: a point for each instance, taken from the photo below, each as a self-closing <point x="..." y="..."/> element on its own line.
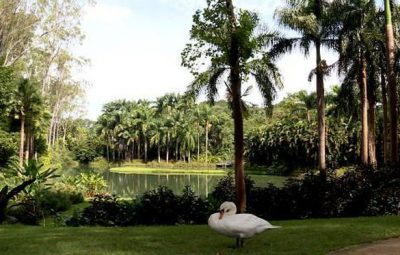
<point x="128" y="185"/>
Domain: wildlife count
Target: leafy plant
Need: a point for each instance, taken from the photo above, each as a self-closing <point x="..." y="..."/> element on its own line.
<point x="30" y="174"/>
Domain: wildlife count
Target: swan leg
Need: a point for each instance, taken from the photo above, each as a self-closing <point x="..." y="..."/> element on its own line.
<point x="239" y="242"/>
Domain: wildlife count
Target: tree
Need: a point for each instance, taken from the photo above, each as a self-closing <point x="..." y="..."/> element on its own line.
<point x="301" y="103"/>
<point x="208" y="118"/>
<point x="229" y="42"/>
<point x="358" y="35"/>
<point x="145" y="123"/>
<point x="28" y="107"/>
<point x="392" y="90"/>
<point x="311" y="19"/>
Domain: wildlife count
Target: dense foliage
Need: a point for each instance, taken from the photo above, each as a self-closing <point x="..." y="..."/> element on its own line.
<point x="294" y="144"/>
<point x="359" y="192"/>
<point x="159" y="207"/>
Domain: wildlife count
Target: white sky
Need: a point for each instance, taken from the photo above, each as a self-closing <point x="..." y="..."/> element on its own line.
<point x="135" y="45"/>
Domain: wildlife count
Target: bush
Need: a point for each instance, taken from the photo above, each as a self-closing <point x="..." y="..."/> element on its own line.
<point x="192" y="209"/>
<point x="76" y="197"/>
<point x="158" y="206"/>
<point x="26" y="212"/>
<point x="361" y="192"/>
<point x="53" y="201"/>
<point x="225" y="191"/>
<point x="104" y="210"/>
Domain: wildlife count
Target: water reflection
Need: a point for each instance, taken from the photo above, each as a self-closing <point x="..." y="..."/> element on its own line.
<point x="131" y="185"/>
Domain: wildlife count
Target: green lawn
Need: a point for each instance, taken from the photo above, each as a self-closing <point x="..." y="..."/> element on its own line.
<point x="148" y="170"/>
<point x="295" y="237"/>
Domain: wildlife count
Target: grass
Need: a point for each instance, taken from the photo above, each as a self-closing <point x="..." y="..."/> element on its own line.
<point x="262" y="180"/>
<point x="297" y="237"/>
<point x="147" y="170"/>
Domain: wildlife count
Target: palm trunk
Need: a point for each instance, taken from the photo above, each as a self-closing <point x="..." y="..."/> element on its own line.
<point x="206" y="141"/>
<point x="133" y="150"/>
<point x="364" y="113"/>
<point x="27" y="144"/>
<point x="22" y="140"/>
<point x="392" y="91"/>
<point x="189" y="157"/>
<point x="108" y="149"/>
<point x="371" y="134"/>
<point x="321" y="113"/>
<point x="237" y="111"/>
<point x="31" y="147"/>
<point x="145" y="149"/>
<point x="159" y="152"/>
<point x="198" y="141"/>
<point x="167" y="150"/>
<point x="138" y="149"/>
<point x="176" y="151"/>
<point x="386" y="134"/>
<point x="308" y="116"/>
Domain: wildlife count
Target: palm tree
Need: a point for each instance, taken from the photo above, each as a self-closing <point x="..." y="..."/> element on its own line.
<point x="311" y="19"/>
<point x="208" y="118"/>
<point x="145" y="122"/>
<point x="29" y="106"/>
<point x="232" y="45"/>
<point x="301" y="103"/>
<point x="357" y="37"/>
<point x="392" y="90"/>
<point x="158" y="136"/>
<point x="165" y="106"/>
<point x="198" y="121"/>
<point x="188" y="138"/>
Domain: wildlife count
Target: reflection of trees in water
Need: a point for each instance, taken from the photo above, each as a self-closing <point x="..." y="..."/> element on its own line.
<point x="130" y="185"/>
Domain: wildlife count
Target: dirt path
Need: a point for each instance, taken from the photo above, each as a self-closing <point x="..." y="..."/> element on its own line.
<point x="385" y="247"/>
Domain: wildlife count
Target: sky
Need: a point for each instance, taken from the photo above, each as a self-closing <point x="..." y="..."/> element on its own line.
<point x="134" y="48"/>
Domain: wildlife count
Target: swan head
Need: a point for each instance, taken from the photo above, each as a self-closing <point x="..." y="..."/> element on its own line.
<point x="227" y="208"/>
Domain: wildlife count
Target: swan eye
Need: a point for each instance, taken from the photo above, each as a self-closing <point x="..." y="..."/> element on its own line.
<point x="228" y="210"/>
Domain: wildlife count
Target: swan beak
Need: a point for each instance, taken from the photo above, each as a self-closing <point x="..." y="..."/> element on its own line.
<point x="221" y="214"/>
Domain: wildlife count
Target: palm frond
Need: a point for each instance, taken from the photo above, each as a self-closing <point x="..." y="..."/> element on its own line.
<point x="207" y="81"/>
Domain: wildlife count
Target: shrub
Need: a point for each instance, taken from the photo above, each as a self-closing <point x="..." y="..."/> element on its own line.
<point x="225" y="190"/>
<point x="359" y="192"/>
<point x="158" y="206"/>
<point x="104" y="210"/>
<point x="76" y="197"/>
<point x="53" y="201"/>
<point x="26" y="212"/>
<point x="192" y="209"/>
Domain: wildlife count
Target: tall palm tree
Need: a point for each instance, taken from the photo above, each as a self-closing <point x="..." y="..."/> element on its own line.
<point x="302" y="103"/>
<point x="310" y="18"/>
<point x="208" y="118"/>
<point x="358" y="33"/>
<point x="28" y="106"/>
<point x="158" y="136"/>
<point x="392" y="90"/>
<point x="232" y="45"/>
<point x="188" y="139"/>
<point x="145" y="122"/>
<point x="165" y="106"/>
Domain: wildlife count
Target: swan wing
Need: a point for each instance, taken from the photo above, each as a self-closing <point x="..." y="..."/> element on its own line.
<point x="246" y="225"/>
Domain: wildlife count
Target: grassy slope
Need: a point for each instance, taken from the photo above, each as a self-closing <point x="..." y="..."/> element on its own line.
<point x="147" y="170"/>
<point x="296" y="237"/>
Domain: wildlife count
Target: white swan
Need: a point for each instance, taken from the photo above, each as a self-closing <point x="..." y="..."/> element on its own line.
<point x="243" y="225"/>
